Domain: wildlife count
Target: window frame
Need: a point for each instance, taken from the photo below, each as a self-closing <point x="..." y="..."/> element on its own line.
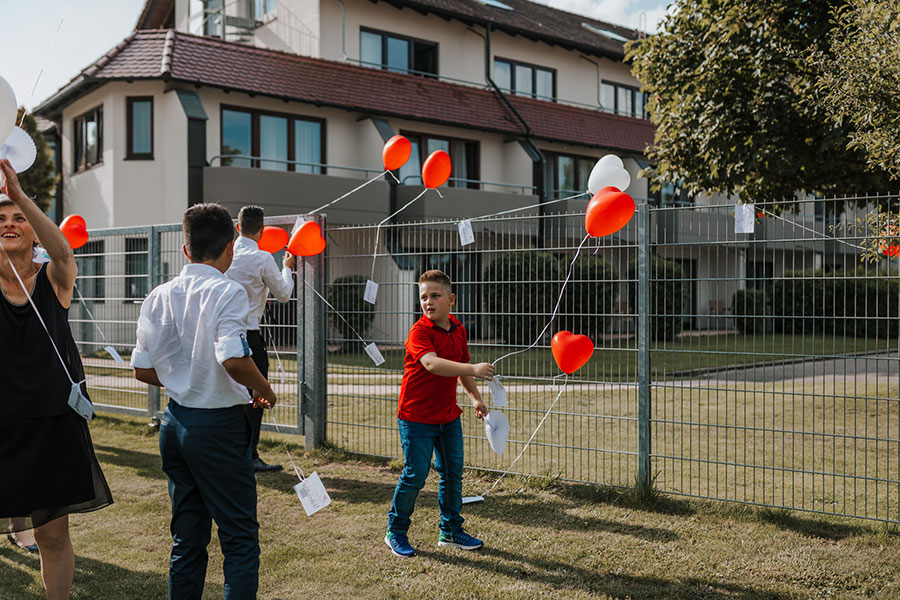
<point x="552" y="157"/>
<point x="135" y="255"/>
<point x="79" y="149"/>
<point x="634" y="91"/>
<point x="451" y="142"/>
<point x="534" y="69"/>
<point x="255" y="114"/>
<point x="130" y="154"/>
<point x="410" y="52"/>
<point x="92" y="253"/>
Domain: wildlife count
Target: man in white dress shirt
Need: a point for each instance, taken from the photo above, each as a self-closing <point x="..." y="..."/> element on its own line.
<point x="256" y="270"/>
<point x="191" y="338"/>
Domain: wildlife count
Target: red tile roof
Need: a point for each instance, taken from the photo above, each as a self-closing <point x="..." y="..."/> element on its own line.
<point x="170" y="55"/>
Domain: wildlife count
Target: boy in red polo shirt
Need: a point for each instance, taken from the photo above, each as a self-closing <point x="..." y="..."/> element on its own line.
<point x="437" y="354"/>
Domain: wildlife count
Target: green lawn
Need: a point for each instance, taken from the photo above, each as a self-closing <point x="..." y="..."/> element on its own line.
<point x="542" y="540"/>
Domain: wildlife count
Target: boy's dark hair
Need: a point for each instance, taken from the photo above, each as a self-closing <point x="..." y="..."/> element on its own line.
<point x="437" y="277"/>
<point x="208" y="229"/>
<point x="250" y="218"/>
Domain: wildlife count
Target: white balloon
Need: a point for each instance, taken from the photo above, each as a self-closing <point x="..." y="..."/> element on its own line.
<point x="603" y="175"/>
<point x="8" y="109"/>
<point x="19" y="148"/>
<point x="612" y="159"/>
<point x="496" y="427"/>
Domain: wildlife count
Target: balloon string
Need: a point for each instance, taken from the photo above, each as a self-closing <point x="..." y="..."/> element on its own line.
<point x="88" y="311"/>
<point x="40" y="318"/>
<point x="385" y="220"/>
<point x="525" y="447"/>
<point x="328" y="304"/>
<point x="356" y="189"/>
<point x="297" y="470"/>
<point x="555" y="309"/>
<point x="49" y="50"/>
<point x="540" y="204"/>
<point x="271" y="341"/>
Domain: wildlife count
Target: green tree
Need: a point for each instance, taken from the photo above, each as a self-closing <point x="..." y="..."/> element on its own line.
<point x="859" y="78"/>
<point x="732" y="94"/>
<point x="39" y="181"/>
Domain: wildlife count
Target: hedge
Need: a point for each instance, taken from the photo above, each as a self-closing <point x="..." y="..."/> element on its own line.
<point x="590" y="298"/>
<point x="751" y="310"/>
<point x="666" y="311"/>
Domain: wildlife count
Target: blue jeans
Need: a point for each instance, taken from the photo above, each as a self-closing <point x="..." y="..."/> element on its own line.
<point x="420" y="441"/>
<point x="206" y="456"/>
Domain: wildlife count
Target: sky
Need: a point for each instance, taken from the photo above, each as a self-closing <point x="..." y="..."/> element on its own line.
<point x="51" y="41"/>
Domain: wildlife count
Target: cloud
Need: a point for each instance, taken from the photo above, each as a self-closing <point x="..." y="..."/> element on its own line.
<point x="627" y="13"/>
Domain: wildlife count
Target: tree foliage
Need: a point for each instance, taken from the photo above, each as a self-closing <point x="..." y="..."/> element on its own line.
<point x="859" y="78"/>
<point x="732" y="93"/>
<point x="39" y="181"/>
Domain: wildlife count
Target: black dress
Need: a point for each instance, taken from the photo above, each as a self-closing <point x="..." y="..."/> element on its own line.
<point x="47" y="463"/>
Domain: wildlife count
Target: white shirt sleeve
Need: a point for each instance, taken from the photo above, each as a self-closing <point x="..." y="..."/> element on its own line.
<point x="140" y="357"/>
<point x="231" y="326"/>
<point x="280" y="284"/>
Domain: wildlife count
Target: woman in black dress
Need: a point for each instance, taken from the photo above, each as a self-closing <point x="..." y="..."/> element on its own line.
<point x="47" y="461"/>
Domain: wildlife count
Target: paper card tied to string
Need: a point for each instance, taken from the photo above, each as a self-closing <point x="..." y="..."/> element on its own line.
<point x="744" y="218"/>
<point x="375" y="354"/>
<point x="371" y="292"/>
<point x="496" y="428"/>
<point x="80" y="404"/>
<point x="115" y="355"/>
<point x="498" y="392"/>
<point x="313" y="495"/>
<point x="466" y="235"/>
<point x="297" y="225"/>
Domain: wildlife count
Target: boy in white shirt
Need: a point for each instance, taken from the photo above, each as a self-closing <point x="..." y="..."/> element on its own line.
<point x="255" y="270"/>
<point x="191" y="338"/>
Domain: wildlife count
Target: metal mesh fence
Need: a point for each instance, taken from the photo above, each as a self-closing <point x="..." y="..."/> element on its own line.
<point x="759" y="367"/>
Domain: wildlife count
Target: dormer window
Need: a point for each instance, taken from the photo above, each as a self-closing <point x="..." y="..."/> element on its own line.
<point x="523" y="79"/>
<point x="398" y="53"/>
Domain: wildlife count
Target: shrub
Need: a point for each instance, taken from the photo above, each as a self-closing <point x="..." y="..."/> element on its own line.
<point x="521" y="289"/>
<point x="345" y="294"/>
<point x="666" y="299"/>
<point x="750" y="308"/>
<point x="590" y="298"/>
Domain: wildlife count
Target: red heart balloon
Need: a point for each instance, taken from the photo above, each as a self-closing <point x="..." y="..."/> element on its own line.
<point x="273" y="239"/>
<point x="608" y="212"/>
<point x="75" y="230"/>
<point x="396" y="152"/>
<point x="307" y="241"/>
<point x="571" y="351"/>
<point x="436" y="170"/>
<point x="889" y="249"/>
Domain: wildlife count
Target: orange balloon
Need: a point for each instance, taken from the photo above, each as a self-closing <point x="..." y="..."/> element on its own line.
<point x="608" y="212"/>
<point x="307" y="241"/>
<point x="75" y="230"/>
<point x="436" y="170"/>
<point x="889" y="249"/>
<point x="273" y="239"/>
<point x="571" y="351"/>
<point x="396" y="152"/>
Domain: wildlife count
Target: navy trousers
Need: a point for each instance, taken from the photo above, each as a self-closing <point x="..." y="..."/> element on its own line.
<point x="206" y="456"/>
<point x="260" y="358"/>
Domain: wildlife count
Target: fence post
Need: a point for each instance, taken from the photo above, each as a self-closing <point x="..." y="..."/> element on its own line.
<point x="154" y="262"/>
<point x="644" y="340"/>
<point x="311" y="343"/>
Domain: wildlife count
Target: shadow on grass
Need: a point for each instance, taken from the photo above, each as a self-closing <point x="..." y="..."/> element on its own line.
<point x="93" y="579"/>
<point x="566" y="576"/>
<point x="812" y="527"/>
<point x="144" y="464"/>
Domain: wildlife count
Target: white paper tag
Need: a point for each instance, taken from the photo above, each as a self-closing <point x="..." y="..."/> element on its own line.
<point x="80" y="404"/>
<point x="371" y="292"/>
<point x="114" y="354"/>
<point x="374" y="354"/>
<point x="312" y="494"/>
<point x="744" y="218"/>
<point x="39" y="255"/>
<point x="297" y="224"/>
<point x="470" y="499"/>
<point x="466" y="235"/>
<point x="498" y="392"/>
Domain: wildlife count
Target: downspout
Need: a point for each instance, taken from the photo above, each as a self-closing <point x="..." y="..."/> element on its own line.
<point x="533" y="152"/>
<point x="596" y="66"/>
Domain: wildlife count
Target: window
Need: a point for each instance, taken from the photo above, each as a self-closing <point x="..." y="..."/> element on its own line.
<point x="137" y="274"/>
<point x="567" y="175"/>
<point x="274" y="141"/>
<point x="397" y="53"/>
<point x="91" y="281"/>
<point x="623" y="100"/>
<point x="265" y="7"/>
<point x="463" y="159"/>
<point x="139" y="132"/>
<point x="88" y="137"/>
<point x="525" y="80"/>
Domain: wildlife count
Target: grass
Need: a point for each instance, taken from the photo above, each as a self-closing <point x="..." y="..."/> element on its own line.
<point x="542" y="541"/>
